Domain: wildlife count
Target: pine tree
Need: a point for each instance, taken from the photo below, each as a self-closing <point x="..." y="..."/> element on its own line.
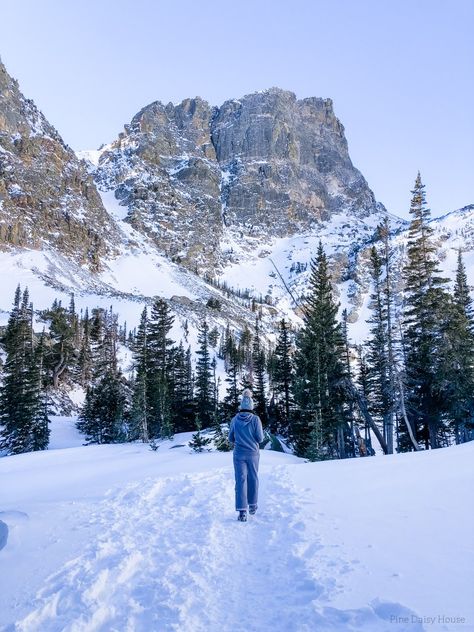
<point x="350" y="449"/>
<point x="36" y="397"/>
<point x="231" y="400"/>
<point x="245" y="352"/>
<point x="456" y="370"/>
<point x="62" y="355"/>
<point x="384" y="233"/>
<point x="259" y="377"/>
<point x="204" y="385"/>
<point x="220" y="435"/>
<point x="365" y="443"/>
<point x="427" y="303"/>
<point x="85" y="353"/>
<point x="23" y="413"/>
<point x="320" y="368"/>
<point x="283" y="371"/>
<point x="159" y="326"/>
<point x="160" y="395"/>
<point x="104" y="416"/>
<point x="378" y="386"/>
<point x="198" y="442"/>
<point x="140" y="404"/>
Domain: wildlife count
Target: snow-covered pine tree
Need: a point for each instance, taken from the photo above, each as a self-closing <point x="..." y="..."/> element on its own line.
<point x="320" y="368"/>
<point x="426" y="306"/>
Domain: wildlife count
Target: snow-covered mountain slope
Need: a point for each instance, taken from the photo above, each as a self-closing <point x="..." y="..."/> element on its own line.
<point x="280" y="269"/>
<point x="130" y="278"/>
<point x="119" y="537"/>
<point x="138" y="271"/>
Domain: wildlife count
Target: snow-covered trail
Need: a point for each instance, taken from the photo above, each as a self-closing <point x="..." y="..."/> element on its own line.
<point x="171" y="556"/>
<point x="121" y="538"/>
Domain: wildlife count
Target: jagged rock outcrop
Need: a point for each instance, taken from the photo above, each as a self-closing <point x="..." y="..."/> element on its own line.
<point x="196" y="178"/>
<point x="47" y="197"/>
<point x="164" y="169"/>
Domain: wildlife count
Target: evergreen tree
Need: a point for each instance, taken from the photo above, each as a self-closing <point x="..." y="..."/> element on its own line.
<point x="456" y="371"/>
<point x="23" y="413"/>
<point x="320" y="369"/>
<point x="85" y="353"/>
<point x="259" y="364"/>
<point x="183" y="404"/>
<point x="384" y="233"/>
<point x="160" y="395"/>
<point x="283" y="370"/>
<point x="159" y="326"/>
<point x="204" y="383"/>
<point x="350" y="438"/>
<point x="245" y="352"/>
<point x="365" y="443"/>
<point x="220" y="435"/>
<point x="104" y="416"/>
<point x="62" y="354"/>
<point x="36" y="397"/>
<point x="231" y="400"/>
<point x="140" y="404"/>
<point x="427" y="304"/>
<point x="198" y="442"/>
<point x="378" y="386"/>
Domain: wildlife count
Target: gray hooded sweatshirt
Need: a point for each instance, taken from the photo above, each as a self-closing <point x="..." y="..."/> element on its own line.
<point x="246" y="433"/>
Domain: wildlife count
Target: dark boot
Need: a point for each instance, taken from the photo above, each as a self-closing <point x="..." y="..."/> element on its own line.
<point x="242" y="517"/>
<point x="252" y="509"/>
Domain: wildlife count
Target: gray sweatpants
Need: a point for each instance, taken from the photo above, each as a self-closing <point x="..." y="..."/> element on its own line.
<point x="246" y="479"/>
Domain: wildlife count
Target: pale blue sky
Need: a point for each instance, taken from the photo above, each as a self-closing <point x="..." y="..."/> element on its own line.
<point x="400" y="72"/>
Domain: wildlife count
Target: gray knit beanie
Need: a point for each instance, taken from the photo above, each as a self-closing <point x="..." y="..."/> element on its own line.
<point x="247" y="401"/>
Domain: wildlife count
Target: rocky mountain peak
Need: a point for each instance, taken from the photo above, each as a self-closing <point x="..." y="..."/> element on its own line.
<point x="47" y="196"/>
<point x="195" y="178"/>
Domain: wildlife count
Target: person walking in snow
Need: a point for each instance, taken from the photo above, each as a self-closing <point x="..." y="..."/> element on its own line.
<point x="246" y="433"/>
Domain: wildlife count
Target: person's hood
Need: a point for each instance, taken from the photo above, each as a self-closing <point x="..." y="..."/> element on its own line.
<point x="245" y="417"/>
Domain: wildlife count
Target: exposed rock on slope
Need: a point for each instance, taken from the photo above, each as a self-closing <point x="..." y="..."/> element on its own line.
<point x="197" y="178"/>
<point x="46" y="195"/>
<point x="163" y="169"/>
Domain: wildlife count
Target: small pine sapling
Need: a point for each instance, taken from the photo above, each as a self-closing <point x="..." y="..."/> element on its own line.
<point x="199" y="443"/>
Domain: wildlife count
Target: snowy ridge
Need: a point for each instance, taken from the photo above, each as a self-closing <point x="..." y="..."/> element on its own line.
<point x="139" y="271"/>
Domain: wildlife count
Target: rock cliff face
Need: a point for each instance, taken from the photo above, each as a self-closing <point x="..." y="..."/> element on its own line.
<point x="163" y="168"/>
<point x="47" y="196"/>
<point x="204" y="181"/>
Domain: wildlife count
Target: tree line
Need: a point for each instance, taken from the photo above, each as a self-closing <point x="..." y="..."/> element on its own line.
<point x="410" y="386"/>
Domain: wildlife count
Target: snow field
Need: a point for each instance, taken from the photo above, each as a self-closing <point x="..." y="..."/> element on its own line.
<point x="121" y="538"/>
